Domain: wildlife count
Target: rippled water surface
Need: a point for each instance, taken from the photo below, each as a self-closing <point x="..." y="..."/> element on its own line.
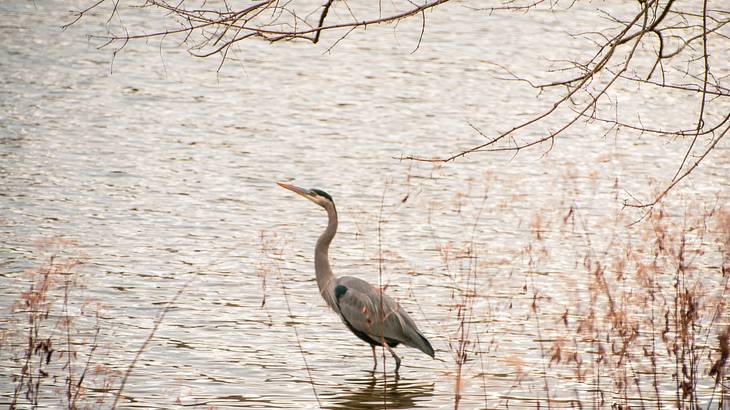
<point x="158" y="171"/>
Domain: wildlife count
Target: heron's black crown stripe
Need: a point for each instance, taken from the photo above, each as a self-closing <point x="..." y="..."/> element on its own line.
<point x="324" y="194"/>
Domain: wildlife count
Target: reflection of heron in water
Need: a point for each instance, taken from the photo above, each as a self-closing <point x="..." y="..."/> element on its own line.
<point x="370" y="392"/>
<point x="369" y="313"/>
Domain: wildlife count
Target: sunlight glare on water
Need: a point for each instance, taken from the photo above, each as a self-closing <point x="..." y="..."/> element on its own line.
<point x="159" y="171"/>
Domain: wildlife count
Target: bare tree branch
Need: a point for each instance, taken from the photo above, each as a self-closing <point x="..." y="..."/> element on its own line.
<point x="656" y="45"/>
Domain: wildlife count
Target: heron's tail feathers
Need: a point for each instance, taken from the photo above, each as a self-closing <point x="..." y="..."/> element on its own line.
<point x="413" y="337"/>
<point x="423" y="345"/>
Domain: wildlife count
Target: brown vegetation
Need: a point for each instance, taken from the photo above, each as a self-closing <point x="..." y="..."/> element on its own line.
<point x="650" y="328"/>
<point x="50" y="322"/>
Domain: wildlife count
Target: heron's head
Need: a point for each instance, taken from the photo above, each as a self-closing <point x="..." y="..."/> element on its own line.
<point x="317" y="196"/>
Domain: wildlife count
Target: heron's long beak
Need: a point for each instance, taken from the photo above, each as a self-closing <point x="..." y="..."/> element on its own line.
<point x="301" y="191"/>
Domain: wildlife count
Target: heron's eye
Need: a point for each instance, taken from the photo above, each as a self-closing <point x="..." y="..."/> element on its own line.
<point x="312" y="193"/>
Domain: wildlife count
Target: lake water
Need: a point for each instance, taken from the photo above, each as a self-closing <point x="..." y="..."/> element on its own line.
<point x="158" y="171"/>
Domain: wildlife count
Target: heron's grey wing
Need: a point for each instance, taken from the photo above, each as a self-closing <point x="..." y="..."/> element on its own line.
<point x="363" y="310"/>
<point x="358" y="313"/>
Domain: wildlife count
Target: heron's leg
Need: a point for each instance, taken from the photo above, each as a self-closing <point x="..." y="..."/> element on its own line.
<point x="395" y="356"/>
<point x="375" y="358"/>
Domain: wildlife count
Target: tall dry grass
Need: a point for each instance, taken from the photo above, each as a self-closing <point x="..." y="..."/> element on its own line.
<point x="655" y="302"/>
<point x="50" y="346"/>
<point x="647" y="326"/>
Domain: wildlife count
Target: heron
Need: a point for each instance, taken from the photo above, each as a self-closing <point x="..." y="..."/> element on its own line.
<point x="366" y="311"/>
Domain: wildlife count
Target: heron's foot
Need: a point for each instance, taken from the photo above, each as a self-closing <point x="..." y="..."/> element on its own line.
<point x="395" y="356"/>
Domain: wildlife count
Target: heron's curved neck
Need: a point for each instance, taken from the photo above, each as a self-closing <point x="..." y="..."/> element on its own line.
<point x="325" y="277"/>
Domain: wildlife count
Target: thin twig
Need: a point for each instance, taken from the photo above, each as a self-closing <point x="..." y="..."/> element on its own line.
<point x="142" y="348"/>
